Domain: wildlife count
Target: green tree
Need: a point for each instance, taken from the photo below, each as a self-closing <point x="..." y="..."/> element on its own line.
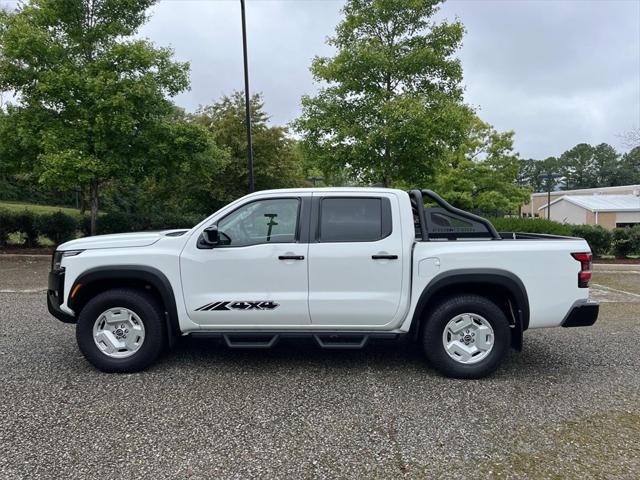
<point x="630" y="167"/>
<point x="185" y="184"/>
<point x="607" y="165"/>
<point x="391" y="108"/>
<point x="482" y="173"/>
<point x="537" y="175"/>
<point x="277" y="161"/>
<point x="578" y="167"/>
<point x="91" y="101"/>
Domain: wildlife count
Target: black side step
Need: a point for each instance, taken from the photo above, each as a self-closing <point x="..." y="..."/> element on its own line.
<point x="326" y="339"/>
<point x="341" y="341"/>
<point x="250" y="341"/>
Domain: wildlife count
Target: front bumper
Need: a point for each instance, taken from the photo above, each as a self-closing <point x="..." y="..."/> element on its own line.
<point x="55" y="297"/>
<point x="582" y="314"/>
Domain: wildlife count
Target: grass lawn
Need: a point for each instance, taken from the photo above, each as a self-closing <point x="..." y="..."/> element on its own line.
<point x="20" y="206"/>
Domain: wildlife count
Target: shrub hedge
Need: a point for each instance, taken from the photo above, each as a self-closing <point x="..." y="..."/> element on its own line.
<point x="530" y="225"/>
<point x="626" y="241"/>
<point x="598" y="238"/>
<point x="621" y="242"/>
<point x="60" y="227"/>
<point x="127" y="222"/>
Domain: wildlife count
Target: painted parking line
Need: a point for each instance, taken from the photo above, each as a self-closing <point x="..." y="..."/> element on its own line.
<point x="632" y="272"/>
<point x="606" y="294"/>
<point x="603" y="287"/>
<point x="31" y="290"/>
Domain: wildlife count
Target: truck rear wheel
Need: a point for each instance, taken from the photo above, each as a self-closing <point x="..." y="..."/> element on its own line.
<point x="121" y="330"/>
<point x="466" y="336"/>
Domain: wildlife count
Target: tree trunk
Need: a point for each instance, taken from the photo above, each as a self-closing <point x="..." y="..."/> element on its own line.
<point x="94" y="205"/>
<point x="83" y="201"/>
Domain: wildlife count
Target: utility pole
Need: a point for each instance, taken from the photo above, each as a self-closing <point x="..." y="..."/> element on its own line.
<point x="314" y="179"/>
<point x="549" y="177"/>
<point x="252" y="186"/>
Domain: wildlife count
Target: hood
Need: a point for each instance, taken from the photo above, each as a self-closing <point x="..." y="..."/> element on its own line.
<point x="141" y="239"/>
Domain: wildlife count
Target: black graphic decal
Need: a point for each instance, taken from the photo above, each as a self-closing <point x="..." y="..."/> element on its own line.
<point x="239" y="305"/>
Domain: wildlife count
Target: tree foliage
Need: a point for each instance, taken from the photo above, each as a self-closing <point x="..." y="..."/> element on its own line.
<point x="277" y="161"/>
<point x="630" y="166"/>
<point x="391" y="106"/>
<point x="91" y="100"/>
<point x="481" y="174"/>
<point x="185" y="184"/>
<point x="538" y="174"/>
<point x="583" y="166"/>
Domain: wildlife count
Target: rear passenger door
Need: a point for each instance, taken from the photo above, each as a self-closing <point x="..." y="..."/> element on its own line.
<point x="355" y="252"/>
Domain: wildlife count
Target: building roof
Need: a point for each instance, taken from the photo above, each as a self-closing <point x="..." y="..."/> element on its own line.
<point x="602" y="203"/>
<point x="585" y="191"/>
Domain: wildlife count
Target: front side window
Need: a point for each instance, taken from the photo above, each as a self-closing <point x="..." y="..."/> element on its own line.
<point x="263" y="221"/>
<point x="351" y="220"/>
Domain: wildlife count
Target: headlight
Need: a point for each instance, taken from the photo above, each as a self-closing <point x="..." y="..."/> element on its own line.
<point x="58" y="256"/>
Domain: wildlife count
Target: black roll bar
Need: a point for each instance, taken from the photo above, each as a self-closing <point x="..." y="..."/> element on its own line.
<point x="418" y="197"/>
<point x="418" y="201"/>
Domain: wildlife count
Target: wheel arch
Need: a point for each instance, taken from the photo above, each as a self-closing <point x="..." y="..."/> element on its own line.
<point x="495" y="284"/>
<point x="99" y="279"/>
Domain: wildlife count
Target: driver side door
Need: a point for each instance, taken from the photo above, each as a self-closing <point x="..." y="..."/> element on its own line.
<point x="257" y="274"/>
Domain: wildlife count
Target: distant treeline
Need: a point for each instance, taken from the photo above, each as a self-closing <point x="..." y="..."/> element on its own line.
<point x="583" y="166"/>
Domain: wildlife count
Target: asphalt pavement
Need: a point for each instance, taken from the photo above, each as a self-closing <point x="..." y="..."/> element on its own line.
<point x="568" y="406"/>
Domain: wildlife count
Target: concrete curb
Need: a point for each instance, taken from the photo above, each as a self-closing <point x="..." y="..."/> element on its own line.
<point x="598" y="267"/>
<point x="36" y="255"/>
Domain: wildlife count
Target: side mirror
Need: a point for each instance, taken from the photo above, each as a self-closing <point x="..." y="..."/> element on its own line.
<point x="210" y="235"/>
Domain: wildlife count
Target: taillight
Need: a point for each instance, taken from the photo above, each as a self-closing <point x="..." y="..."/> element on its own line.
<point x="584" y="276"/>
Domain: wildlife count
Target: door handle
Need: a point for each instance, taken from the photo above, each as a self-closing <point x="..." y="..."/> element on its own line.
<point x="384" y="257"/>
<point x="291" y="257"/>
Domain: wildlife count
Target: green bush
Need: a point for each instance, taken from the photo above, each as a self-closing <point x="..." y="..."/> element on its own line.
<point x="170" y="220"/>
<point x="116" y="223"/>
<point x="530" y="225"/>
<point x="598" y="238"/>
<point x="84" y="225"/>
<point x="127" y="222"/>
<point x="26" y="225"/>
<point x="8" y="225"/>
<point x="58" y="227"/>
<point x="626" y="241"/>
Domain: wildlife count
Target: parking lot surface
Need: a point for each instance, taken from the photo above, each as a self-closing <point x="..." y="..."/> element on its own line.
<point x="568" y="406"/>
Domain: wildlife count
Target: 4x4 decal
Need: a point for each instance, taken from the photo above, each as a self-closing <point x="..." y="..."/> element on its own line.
<point x="239" y="305"/>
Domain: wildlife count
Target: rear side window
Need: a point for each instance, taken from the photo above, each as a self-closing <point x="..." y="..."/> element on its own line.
<point x="354" y="219"/>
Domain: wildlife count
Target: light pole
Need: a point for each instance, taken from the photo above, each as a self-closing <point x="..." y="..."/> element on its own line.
<point x="314" y="179"/>
<point x="548" y="177"/>
<point x="252" y="186"/>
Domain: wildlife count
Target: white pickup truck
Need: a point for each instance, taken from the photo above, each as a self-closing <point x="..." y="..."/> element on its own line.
<point x="338" y="265"/>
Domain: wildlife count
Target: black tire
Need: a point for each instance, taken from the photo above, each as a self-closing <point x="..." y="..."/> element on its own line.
<point x="434" y="328"/>
<point x="149" y="312"/>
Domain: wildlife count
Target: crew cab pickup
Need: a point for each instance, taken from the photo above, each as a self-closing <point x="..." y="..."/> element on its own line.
<point x="338" y="265"/>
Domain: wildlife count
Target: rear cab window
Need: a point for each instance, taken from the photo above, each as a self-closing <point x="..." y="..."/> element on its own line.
<point x="354" y="219"/>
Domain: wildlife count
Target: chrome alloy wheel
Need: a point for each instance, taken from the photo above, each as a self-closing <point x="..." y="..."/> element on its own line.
<point x="468" y="338"/>
<point x="118" y="332"/>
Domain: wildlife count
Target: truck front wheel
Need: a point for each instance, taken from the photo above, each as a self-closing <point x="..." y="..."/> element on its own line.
<point x="121" y="330"/>
<point x="466" y="336"/>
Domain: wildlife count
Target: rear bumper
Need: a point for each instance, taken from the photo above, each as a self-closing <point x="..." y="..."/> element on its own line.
<point x="55" y="296"/>
<point x="582" y="314"/>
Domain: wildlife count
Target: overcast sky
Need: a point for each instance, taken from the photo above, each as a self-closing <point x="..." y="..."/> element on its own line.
<point x="556" y="72"/>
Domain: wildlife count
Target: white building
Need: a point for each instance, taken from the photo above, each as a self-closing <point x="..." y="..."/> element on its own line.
<point x="609" y="211"/>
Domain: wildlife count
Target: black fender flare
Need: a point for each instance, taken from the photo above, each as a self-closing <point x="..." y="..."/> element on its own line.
<point x="484" y="277"/>
<point x="150" y="275"/>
